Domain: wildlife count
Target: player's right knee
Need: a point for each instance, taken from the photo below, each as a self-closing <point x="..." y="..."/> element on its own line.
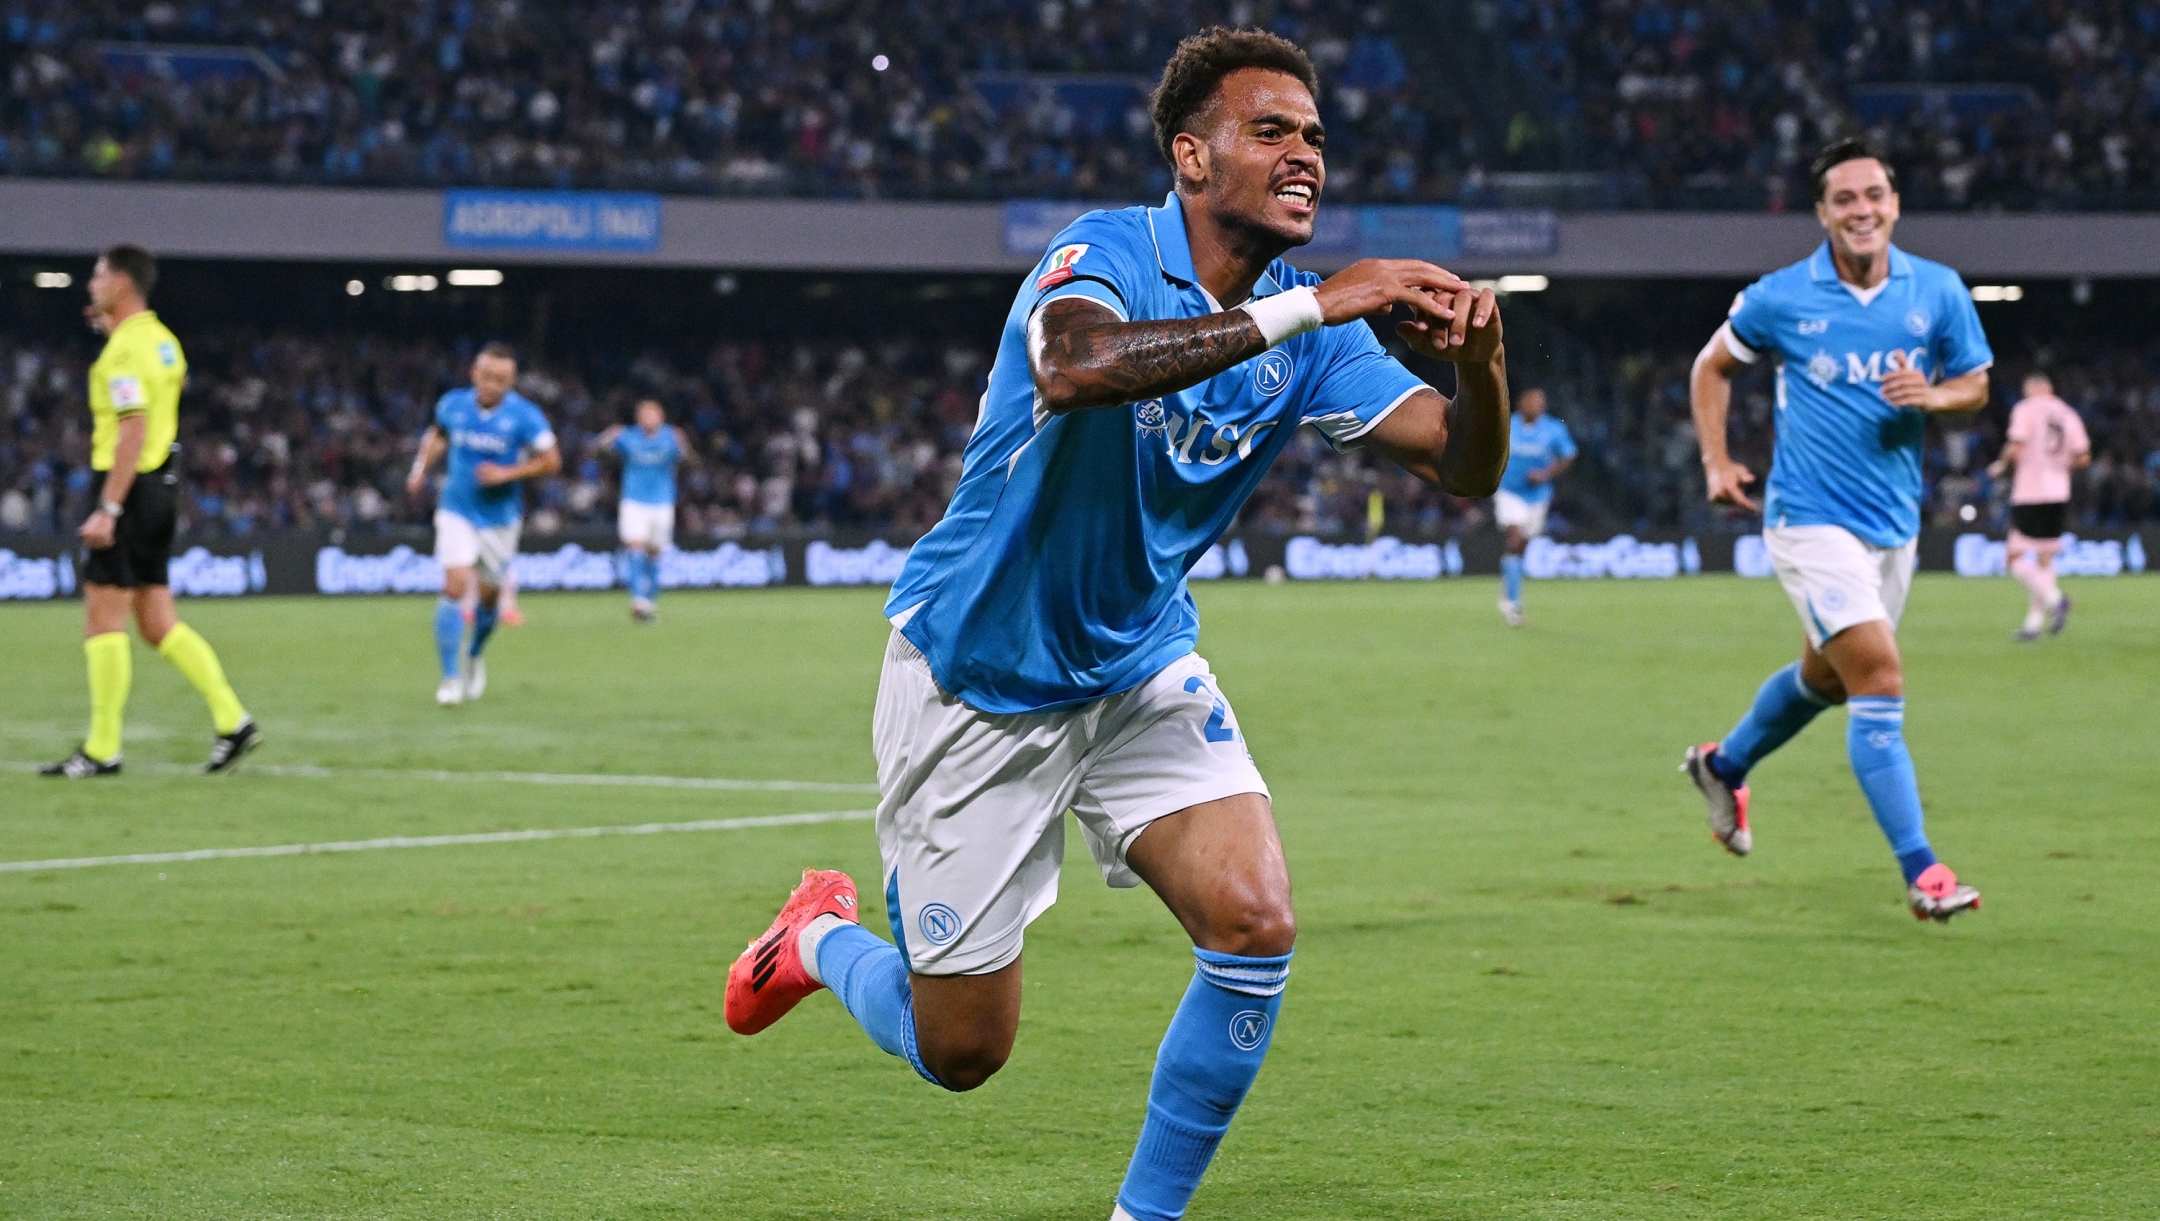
<point x="1257" y="928"/>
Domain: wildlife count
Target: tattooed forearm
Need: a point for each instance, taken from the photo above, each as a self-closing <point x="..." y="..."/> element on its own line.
<point x="1082" y="356"/>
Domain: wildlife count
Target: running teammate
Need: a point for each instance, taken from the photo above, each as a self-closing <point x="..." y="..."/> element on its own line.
<point x="1866" y="340"/>
<point x="135" y="414"/>
<point x="2047" y="442"/>
<point x="1540" y="449"/>
<point x="645" y="519"/>
<point x="1042" y="658"/>
<point x="495" y="437"/>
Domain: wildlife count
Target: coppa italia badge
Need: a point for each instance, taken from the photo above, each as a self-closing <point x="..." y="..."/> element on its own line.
<point x="1060" y="268"/>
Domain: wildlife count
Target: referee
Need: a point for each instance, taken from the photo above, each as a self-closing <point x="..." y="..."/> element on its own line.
<point x="127" y="541"/>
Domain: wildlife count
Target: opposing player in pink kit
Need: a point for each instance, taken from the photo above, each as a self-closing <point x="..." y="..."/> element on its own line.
<point x="2047" y="442"/>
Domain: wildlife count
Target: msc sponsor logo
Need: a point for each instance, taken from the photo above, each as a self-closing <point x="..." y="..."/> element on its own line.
<point x="1824" y="368"/>
<point x="1271" y="376"/>
<point x="490" y="442"/>
<point x="1248" y="1029"/>
<point x="939" y="923"/>
<point x="1183" y="441"/>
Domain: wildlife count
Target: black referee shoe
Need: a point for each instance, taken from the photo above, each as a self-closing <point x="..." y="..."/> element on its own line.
<point x="80" y="766"/>
<point x="226" y="751"/>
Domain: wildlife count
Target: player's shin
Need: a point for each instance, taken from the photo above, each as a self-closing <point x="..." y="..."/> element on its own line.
<point x="449" y="630"/>
<point x="871" y="979"/>
<point x="190" y="654"/>
<point x="1875" y="741"/>
<point x="1207" y="1062"/>
<point x="1783" y="707"/>
<point x="1511" y="577"/>
<point x="483" y="626"/>
<point x="112" y="668"/>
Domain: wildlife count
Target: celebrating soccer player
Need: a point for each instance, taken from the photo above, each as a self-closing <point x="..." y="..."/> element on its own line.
<point x="1540" y="449"/>
<point x="1867" y="341"/>
<point x="135" y="414"/>
<point x="1042" y="654"/>
<point x="2047" y="442"/>
<point x="645" y="520"/>
<point x="495" y="438"/>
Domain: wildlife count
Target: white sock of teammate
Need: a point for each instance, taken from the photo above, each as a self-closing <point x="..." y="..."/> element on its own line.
<point x="806" y="942"/>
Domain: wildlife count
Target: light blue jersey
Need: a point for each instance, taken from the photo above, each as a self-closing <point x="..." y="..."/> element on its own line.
<point x="502" y="435"/>
<point x="1058" y="573"/>
<point x="1846" y="457"/>
<point x="1534" y="447"/>
<point x="648" y="459"/>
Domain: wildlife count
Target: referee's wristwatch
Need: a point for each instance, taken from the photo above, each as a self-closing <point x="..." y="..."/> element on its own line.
<point x="109" y="509"/>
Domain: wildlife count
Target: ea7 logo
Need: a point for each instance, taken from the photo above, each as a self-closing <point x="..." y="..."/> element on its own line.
<point x="1879" y="363"/>
<point x="1814" y="326"/>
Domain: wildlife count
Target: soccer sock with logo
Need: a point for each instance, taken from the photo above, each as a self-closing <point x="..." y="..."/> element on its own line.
<point x="1782" y="708"/>
<point x="112" y="667"/>
<point x="1875" y="741"/>
<point x="871" y="980"/>
<point x="483" y="626"/>
<point x="1207" y="1062"/>
<point x="1511" y="577"/>
<point x="449" y="630"/>
<point x="192" y="655"/>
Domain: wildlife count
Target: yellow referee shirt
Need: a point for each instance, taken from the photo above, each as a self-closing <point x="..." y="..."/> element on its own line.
<point x="140" y="370"/>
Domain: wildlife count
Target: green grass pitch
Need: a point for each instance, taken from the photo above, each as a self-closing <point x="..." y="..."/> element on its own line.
<point x="1527" y="983"/>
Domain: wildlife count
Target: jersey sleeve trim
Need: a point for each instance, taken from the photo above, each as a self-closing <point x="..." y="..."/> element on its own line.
<point x="1088" y="288"/>
<point x="1344" y="428"/>
<point x="1740" y="351"/>
<point x="542" y="442"/>
<point x="1989" y="363"/>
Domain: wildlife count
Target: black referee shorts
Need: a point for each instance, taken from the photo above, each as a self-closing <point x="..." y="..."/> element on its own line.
<point x="143" y="537"/>
<point x="2040" y="521"/>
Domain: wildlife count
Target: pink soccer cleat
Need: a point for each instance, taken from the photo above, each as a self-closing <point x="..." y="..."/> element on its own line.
<point x="1724" y="805"/>
<point x="769" y="979"/>
<point x="1937" y="894"/>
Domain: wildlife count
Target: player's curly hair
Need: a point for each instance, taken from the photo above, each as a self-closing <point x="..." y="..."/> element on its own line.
<point x="1840" y="151"/>
<point x="1204" y="59"/>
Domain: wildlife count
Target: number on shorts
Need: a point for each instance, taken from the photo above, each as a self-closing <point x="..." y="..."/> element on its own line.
<point x="1216" y="730"/>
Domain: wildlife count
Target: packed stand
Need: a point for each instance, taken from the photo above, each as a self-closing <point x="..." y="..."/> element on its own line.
<point x="316" y="433"/>
<point x="860" y="98"/>
<point x="1982" y="103"/>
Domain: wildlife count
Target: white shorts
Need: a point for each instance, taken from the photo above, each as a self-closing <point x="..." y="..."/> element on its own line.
<point x="1512" y="510"/>
<point x="1836" y="581"/>
<point x="971" y="821"/>
<point x="461" y="544"/>
<point x="642" y="525"/>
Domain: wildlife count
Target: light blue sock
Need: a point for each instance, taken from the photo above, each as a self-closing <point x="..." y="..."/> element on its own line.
<point x="1875" y="741"/>
<point x="637" y="575"/>
<point x="1511" y="577"/>
<point x="1782" y="708"/>
<point x="1206" y="1063"/>
<point x="648" y="571"/>
<point x="483" y="626"/>
<point x="449" y="629"/>
<point x="871" y="979"/>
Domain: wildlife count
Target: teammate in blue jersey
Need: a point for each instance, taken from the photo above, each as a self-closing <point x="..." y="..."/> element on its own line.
<point x="645" y="519"/>
<point x="1540" y="448"/>
<point x="1042" y="658"/>
<point x="495" y="438"/>
<point x="1867" y="340"/>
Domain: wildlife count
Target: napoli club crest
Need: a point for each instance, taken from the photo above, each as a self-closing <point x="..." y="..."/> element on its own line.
<point x="1272" y="374"/>
<point x="1917" y="322"/>
<point x="1249" y="1029"/>
<point x="1822" y="368"/>
<point x="1149" y="415"/>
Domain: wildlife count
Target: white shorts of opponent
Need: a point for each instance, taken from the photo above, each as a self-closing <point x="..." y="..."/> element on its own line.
<point x="642" y="525"/>
<point x="461" y="544"/>
<point x="971" y="821"/>
<point x="1836" y="581"/>
<point x="1527" y="516"/>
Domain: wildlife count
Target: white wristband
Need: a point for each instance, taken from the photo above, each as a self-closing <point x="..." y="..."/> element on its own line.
<point x="1286" y="314"/>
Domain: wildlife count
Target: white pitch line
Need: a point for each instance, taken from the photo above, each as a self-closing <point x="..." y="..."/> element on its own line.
<point x="437" y="841"/>
<point x="308" y="771"/>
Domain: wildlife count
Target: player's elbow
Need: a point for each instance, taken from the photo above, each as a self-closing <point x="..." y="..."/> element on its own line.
<point x="1060" y="390"/>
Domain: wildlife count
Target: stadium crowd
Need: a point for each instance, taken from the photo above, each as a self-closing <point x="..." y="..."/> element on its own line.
<point x="315" y="432"/>
<point x="1982" y="103"/>
<point x="1715" y="103"/>
<point x="961" y="98"/>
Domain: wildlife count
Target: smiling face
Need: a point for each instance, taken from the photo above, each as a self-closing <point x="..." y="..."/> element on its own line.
<point x="1256" y="157"/>
<point x="492" y="377"/>
<point x="1858" y="207"/>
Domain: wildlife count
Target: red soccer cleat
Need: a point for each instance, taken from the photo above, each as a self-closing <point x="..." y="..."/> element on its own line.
<point x="768" y="980"/>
